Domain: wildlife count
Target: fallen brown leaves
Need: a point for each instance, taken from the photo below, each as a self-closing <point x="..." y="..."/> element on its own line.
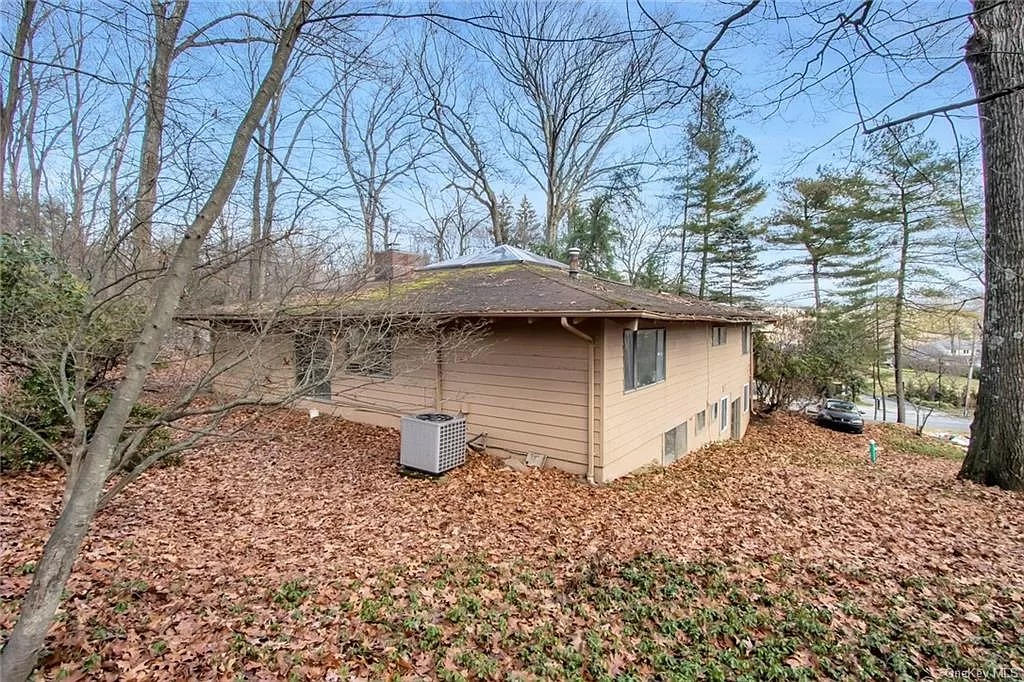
<point x="198" y="566"/>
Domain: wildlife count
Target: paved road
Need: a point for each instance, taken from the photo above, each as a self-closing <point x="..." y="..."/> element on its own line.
<point x="938" y="421"/>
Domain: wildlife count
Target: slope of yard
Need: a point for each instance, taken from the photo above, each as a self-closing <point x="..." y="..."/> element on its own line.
<point x="787" y="555"/>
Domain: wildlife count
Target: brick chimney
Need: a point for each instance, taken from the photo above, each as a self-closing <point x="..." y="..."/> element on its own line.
<point x="391" y="264"/>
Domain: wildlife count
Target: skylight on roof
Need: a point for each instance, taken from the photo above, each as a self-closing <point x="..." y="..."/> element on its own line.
<point x="496" y="255"/>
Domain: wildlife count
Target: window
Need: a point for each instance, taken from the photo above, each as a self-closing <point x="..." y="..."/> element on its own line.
<point x="723" y="412"/>
<point x="714" y="412"/>
<point x="746" y="397"/>
<point x="313" y="364"/>
<point x="368" y="351"/>
<point x="643" y="355"/>
<point x="718" y="336"/>
<point x="745" y="340"/>
<point x="675" y="443"/>
<point x="700" y="421"/>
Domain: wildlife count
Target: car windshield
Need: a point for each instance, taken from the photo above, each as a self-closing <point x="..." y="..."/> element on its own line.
<point x="840" y="405"/>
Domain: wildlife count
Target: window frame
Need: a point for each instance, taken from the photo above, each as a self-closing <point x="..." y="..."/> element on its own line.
<point x="700" y="421"/>
<point x="630" y="342"/>
<point x="746" y="398"/>
<point x="719" y="335"/>
<point x="745" y="340"/>
<point x="723" y="413"/>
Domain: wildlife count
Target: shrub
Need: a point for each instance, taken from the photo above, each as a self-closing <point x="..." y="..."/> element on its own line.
<point x="57" y="340"/>
<point x="37" y="406"/>
<point x="934" y="392"/>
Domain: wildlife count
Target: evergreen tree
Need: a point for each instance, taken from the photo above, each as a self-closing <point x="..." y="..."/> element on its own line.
<point x="527" y="233"/>
<point x="592" y="229"/>
<point x="506" y="220"/>
<point x="829" y="220"/>
<point x="917" y="190"/>
<point x="734" y="264"/>
<point x="719" y="189"/>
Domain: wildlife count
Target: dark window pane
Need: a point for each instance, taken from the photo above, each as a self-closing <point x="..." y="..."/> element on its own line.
<point x="313" y="363"/>
<point x="661" y="355"/>
<point x="627" y="359"/>
<point x="643" y="357"/>
<point x="646" y="356"/>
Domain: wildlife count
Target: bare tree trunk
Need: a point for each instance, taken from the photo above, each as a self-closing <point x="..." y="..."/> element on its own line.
<point x="167" y="28"/>
<point x="10" y="103"/>
<point x="706" y="248"/>
<point x="897" y="319"/>
<point x="37" y="609"/>
<point x="815" y="277"/>
<point x="682" y="241"/>
<point x="552" y="211"/>
<point x="995" y="55"/>
<point x="256" y="229"/>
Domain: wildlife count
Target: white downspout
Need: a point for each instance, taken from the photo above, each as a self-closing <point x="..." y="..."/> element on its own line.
<point x="590" y="394"/>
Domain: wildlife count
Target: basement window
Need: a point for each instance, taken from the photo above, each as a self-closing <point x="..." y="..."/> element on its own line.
<point x="313" y="364"/>
<point x="643" y="355"/>
<point x="368" y="352"/>
<point x="675" y="444"/>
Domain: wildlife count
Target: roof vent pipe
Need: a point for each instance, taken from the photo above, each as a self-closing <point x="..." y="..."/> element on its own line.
<point x="574" y="262"/>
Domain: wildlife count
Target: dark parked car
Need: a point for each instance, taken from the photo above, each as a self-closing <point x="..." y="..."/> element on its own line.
<point x="841" y="414"/>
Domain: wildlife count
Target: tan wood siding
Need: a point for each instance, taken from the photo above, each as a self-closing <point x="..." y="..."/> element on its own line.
<point x="527" y="390"/>
<point x="696" y="375"/>
<point x="526" y="386"/>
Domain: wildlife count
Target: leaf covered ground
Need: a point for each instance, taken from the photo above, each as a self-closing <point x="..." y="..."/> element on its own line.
<point x="307" y="555"/>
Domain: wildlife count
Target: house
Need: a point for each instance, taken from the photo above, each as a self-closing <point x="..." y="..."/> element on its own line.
<point x="599" y="377"/>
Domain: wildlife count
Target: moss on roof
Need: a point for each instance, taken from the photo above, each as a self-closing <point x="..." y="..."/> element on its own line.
<point x="507" y="289"/>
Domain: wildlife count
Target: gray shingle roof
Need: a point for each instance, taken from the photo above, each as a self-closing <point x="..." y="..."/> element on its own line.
<point x="500" y="290"/>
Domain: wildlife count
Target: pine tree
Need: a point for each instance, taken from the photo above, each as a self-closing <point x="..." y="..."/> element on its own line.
<point x="829" y="220"/>
<point x="506" y="220"/>
<point x="592" y="229"/>
<point x="720" y="187"/>
<point x="735" y="265"/>
<point x="527" y="232"/>
<point x="918" y="203"/>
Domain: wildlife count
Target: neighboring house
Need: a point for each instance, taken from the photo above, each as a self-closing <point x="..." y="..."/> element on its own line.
<point x="946" y="347"/>
<point x="599" y="377"/>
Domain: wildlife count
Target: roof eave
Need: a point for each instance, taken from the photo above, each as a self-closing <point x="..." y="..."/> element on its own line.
<point x="613" y="314"/>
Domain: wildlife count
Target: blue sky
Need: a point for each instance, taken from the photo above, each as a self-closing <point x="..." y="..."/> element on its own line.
<point x="805" y="130"/>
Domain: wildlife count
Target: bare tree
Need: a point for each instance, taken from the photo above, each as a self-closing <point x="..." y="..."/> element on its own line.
<point x="566" y="100"/>
<point x="643" y="244"/>
<point x="167" y="24"/>
<point x="451" y="94"/>
<point x="451" y="225"/>
<point x="378" y="132"/>
<point x="277" y="141"/>
<point x="11" y="100"/>
<point x="86" y="488"/>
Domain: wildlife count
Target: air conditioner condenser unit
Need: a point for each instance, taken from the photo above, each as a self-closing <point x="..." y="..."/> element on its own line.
<point x="433" y="442"/>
